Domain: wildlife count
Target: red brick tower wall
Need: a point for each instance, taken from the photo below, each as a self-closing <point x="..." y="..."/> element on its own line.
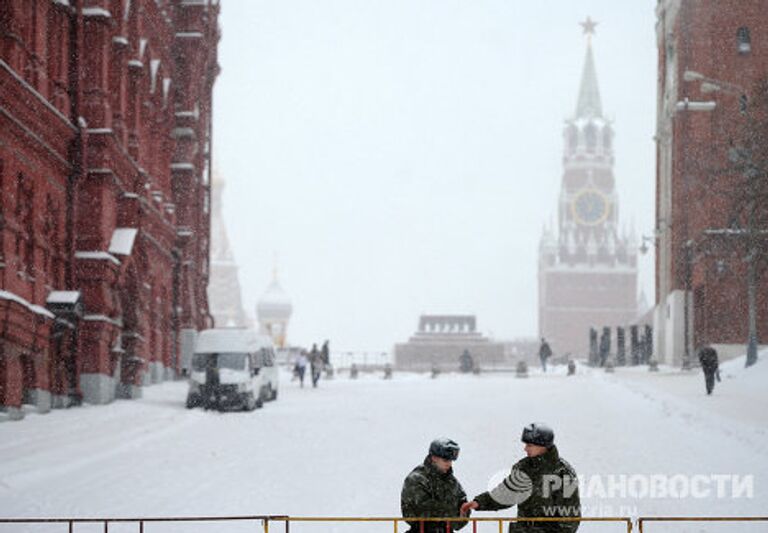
<point x="704" y="37"/>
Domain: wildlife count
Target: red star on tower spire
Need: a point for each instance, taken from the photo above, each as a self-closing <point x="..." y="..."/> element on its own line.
<point x="588" y="27"/>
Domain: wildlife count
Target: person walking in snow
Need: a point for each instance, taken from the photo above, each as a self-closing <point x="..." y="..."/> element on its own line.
<point x="316" y="364"/>
<point x="542" y="485"/>
<point x="432" y="491"/>
<point x="326" y="352"/>
<point x="545" y="352"/>
<point x="710" y="366"/>
<point x="300" y="367"/>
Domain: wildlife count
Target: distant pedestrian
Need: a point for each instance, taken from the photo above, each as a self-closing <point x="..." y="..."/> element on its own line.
<point x="316" y="364"/>
<point x="710" y="366"/>
<point x="605" y="345"/>
<point x="300" y="366"/>
<point x="326" y="352"/>
<point x="466" y="363"/>
<point x="545" y="352"/>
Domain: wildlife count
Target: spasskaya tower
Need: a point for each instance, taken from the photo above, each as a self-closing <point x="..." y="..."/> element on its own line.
<point x="587" y="266"/>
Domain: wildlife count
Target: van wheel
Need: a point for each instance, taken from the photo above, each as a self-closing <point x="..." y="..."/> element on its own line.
<point x="192" y="402"/>
<point x="250" y="403"/>
<point x="259" y="402"/>
<point x="274" y="393"/>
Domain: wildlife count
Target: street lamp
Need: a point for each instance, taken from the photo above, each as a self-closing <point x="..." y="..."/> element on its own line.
<point x="711" y="85"/>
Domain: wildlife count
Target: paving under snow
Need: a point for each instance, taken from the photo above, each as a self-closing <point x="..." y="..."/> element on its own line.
<point x="344" y="449"/>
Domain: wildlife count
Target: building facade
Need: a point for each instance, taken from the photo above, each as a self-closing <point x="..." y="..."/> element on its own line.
<point x="441" y="340"/>
<point x="105" y="143"/>
<point x="701" y="289"/>
<point x="587" y="265"/>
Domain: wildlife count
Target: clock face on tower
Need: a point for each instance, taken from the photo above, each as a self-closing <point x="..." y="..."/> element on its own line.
<point x="590" y="207"/>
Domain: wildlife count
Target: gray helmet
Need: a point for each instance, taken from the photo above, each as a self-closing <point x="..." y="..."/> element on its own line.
<point x="539" y="434"/>
<point x="444" y="448"/>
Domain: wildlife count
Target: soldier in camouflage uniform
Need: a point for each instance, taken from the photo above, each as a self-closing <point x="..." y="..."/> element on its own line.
<point x="432" y="491"/>
<point x="542" y="485"/>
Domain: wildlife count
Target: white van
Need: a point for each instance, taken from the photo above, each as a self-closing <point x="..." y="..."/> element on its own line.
<point x="232" y="368"/>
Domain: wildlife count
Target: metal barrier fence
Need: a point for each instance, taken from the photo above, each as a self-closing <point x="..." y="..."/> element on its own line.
<point x="284" y="522"/>
<point x="643" y="519"/>
<point x="269" y="521"/>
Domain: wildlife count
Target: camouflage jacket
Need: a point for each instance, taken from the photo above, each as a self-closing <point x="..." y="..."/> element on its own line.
<point x="543" y="486"/>
<point x="429" y="493"/>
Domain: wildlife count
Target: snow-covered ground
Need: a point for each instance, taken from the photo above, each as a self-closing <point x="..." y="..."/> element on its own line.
<point x="344" y="449"/>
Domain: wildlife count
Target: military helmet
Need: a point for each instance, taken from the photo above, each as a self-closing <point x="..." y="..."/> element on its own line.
<point x="539" y="434"/>
<point x="444" y="448"/>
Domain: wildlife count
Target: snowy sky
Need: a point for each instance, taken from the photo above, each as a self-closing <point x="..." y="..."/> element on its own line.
<point x="400" y="157"/>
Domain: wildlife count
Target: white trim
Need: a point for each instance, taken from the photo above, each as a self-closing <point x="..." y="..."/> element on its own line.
<point x="135" y="63"/>
<point x="39" y="96"/>
<point x="122" y="241"/>
<point x="195" y="114"/>
<point x="130" y="195"/>
<point x="99" y="131"/>
<point x="96" y="12"/>
<point x="178" y="133"/>
<point x="189" y="35"/>
<point x="33" y="135"/>
<point x="100" y="171"/>
<point x="98" y="256"/>
<point x="154" y="65"/>
<point x="120" y="39"/>
<point x="166" y="90"/>
<point x="6" y="295"/>
<point x="63" y="297"/>
<point x="182" y="166"/>
<point x="102" y="318"/>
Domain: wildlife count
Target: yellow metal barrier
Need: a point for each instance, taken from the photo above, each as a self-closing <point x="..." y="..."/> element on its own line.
<point x="266" y="520"/>
<point x="474" y="521"/>
<point x="643" y="519"/>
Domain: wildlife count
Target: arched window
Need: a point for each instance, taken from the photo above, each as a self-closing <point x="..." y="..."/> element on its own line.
<point x="744" y="42"/>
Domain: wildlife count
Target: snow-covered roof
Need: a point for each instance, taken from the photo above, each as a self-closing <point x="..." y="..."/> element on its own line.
<point x="122" y="241"/>
<point x="9" y="296"/>
<point x="238" y="340"/>
<point x="63" y="297"/>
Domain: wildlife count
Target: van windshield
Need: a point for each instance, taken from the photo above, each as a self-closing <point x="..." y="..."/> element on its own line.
<point x="201" y="361"/>
<point x="233" y="361"/>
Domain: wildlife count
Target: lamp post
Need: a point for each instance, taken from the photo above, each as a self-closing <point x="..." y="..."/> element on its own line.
<point x="711" y="85"/>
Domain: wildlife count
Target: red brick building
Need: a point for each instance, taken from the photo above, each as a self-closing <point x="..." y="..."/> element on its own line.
<point x="701" y="288"/>
<point x="588" y="267"/>
<point x="105" y="121"/>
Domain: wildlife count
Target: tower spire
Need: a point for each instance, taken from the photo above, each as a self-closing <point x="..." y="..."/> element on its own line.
<point x="589" y="105"/>
<point x="274" y="266"/>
